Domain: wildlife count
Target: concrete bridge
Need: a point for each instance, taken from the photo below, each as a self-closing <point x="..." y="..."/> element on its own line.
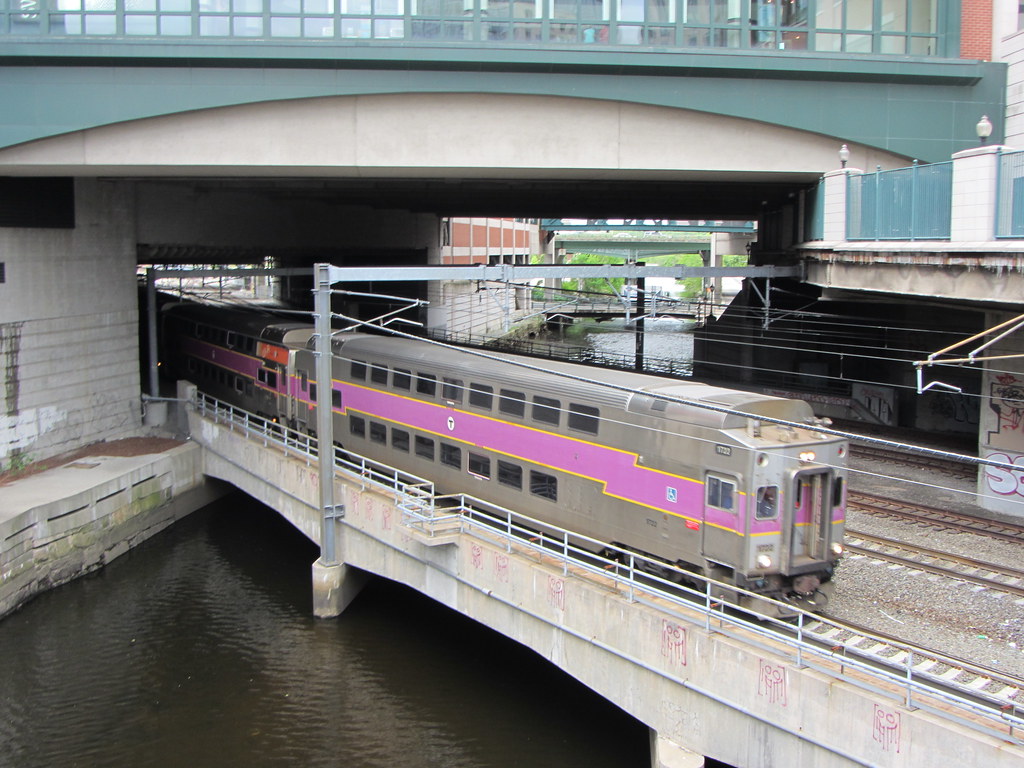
<point x="707" y="681"/>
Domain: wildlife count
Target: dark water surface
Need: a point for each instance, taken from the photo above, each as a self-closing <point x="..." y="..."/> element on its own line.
<point x="200" y="649"/>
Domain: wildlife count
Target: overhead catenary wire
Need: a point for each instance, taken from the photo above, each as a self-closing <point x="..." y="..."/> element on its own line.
<point x="821" y="428"/>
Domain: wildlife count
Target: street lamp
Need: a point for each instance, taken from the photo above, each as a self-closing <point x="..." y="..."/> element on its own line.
<point x="844" y="155"/>
<point x="983" y="128"/>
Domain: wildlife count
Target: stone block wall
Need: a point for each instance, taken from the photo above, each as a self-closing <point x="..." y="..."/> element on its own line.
<point x="69" y="344"/>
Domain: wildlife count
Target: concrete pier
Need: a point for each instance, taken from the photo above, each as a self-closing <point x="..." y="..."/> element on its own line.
<point x="335" y="585"/>
<point x="668" y="754"/>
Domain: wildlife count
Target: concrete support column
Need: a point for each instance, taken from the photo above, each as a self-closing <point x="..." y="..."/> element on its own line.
<point x="668" y="754"/>
<point x="334" y="587"/>
<point x="834" y="229"/>
<point x="975" y="172"/>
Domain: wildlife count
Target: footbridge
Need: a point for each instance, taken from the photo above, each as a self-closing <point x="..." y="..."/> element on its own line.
<point x="706" y="679"/>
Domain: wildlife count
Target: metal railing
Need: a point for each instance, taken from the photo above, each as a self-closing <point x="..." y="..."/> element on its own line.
<point x="1010" y="195"/>
<point x="912" y="203"/>
<point x="917" y="678"/>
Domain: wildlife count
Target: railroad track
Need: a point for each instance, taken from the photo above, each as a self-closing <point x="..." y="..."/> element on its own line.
<point x="944" y="673"/>
<point x="935" y="517"/>
<point x="951" y="467"/>
<point x="967" y="569"/>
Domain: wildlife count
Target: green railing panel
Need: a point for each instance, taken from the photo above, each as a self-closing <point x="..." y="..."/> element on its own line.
<point x="912" y="203"/>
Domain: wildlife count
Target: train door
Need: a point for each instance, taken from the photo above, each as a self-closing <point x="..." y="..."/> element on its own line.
<point x="809" y="515"/>
<point x="723" y="527"/>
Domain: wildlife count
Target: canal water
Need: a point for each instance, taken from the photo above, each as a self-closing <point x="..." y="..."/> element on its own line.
<point x="665" y="338"/>
<point x="199" y="649"/>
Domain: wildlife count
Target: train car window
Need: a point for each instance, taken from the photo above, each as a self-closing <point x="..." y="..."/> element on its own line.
<point x="230" y="340"/>
<point x="424" y="447"/>
<point x="451" y="455"/>
<point x="546" y="409"/>
<point x="248" y="388"/>
<point x="191" y="365"/>
<point x="401" y="379"/>
<point x="249" y="345"/>
<point x="379" y="374"/>
<point x="481" y="395"/>
<point x="357" y="426"/>
<point x="303" y="381"/>
<point x="335" y="398"/>
<point x="426" y="384"/>
<point x="358" y="370"/>
<point x="267" y="377"/>
<point x="480" y="465"/>
<point x="584" y="418"/>
<point x="378" y="432"/>
<point x="400" y="440"/>
<point x="510" y="474"/>
<point x="451" y="389"/>
<point x="543" y="485"/>
<point x="721" y="493"/>
<point x="512" y="403"/>
<point x="837" y="492"/>
<point x="239" y="384"/>
<point x="767" y="502"/>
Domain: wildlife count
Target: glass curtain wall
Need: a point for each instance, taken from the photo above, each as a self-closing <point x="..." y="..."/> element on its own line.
<point x="878" y="27"/>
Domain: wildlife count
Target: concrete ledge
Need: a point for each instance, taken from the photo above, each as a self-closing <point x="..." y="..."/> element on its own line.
<point x="60" y="524"/>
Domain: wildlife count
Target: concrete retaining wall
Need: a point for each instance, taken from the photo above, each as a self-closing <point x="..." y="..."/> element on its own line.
<point x="65" y="522"/>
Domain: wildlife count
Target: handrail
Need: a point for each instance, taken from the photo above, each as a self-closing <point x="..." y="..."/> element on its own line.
<point x="918" y="677"/>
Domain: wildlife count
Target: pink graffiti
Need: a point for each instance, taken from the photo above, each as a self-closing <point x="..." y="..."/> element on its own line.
<point x="385" y="517"/>
<point x="1005" y="482"/>
<point x="477" y="553"/>
<point x="556" y="592"/>
<point x="887" y="729"/>
<point x="673" y="642"/>
<point x="771" y="683"/>
<point x="501" y="566"/>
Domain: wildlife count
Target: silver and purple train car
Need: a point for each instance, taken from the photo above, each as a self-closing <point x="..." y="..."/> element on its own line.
<point x="683" y="472"/>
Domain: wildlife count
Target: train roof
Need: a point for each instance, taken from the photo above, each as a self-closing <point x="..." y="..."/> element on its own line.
<point x="258" y="322"/>
<point x="706" y="405"/>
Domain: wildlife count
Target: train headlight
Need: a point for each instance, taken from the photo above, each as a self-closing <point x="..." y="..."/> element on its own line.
<point x="806" y="455"/>
<point x="763" y="561"/>
<point x="837" y="549"/>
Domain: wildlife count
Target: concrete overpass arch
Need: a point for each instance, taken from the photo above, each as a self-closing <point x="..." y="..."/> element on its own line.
<point x="442" y="135"/>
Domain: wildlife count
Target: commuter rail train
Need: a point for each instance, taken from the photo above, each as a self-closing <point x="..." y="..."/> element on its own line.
<point x="748" y="502"/>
